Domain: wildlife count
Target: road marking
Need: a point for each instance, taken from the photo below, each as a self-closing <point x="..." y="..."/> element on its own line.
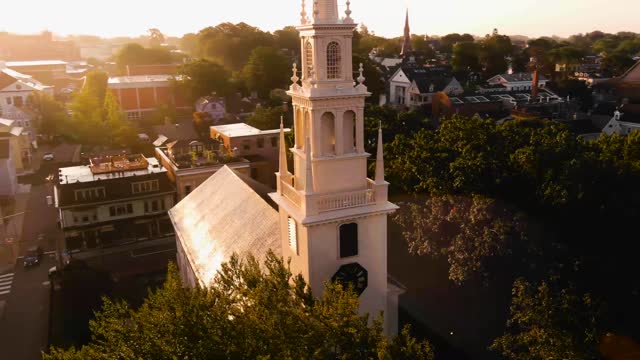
<point x="4" y="292"/>
<point x="150" y="253"/>
<point x="46" y="283"/>
<point x="3" y="283"/>
<point x="5" y="287"/>
<point x="50" y="253"/>
<point x="6" y="275"/>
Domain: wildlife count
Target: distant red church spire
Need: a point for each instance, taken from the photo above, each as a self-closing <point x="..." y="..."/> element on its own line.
<point x="406" y="46"/>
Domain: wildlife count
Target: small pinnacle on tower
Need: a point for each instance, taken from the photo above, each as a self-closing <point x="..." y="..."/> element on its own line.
<point x="295" y="77"/>
<point x="348" y="12"/>
<point x="361" y="78"/>
<point x="283" y="151"/>
<point x="303" y="14"/>
<point x="380" y="158"/>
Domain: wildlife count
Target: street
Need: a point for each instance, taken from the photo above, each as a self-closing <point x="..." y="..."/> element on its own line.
<point x="24" y="293"/>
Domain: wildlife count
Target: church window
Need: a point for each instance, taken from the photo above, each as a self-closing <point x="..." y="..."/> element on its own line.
<point x="349" y="131"/>
<point x="348" y="240"/>
<point x="308" y="60"/>
<point x="293" y="235"/>
<point x="333" y="61"/>
<point x="328" y="134"/>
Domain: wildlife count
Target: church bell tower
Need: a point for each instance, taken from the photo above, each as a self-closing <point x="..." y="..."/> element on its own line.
<point x="333" y="218"/>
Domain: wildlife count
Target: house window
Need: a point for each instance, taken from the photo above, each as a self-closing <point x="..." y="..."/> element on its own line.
<point x="17" y="101"/>
<point x="133" y="115"/>
<point x="9" y="102"/>
<point x="293" y="235"/>
<point x="145" y="186"/>
<point x="260" y="143"/>
<point x="89" y="194"/>
<point x="308" y="58"/>
<point x="121" y="210"/>
<point x="333" y="61"/>
<point x="400" y="95"/>
<point x="348" y="240"/>
<point x="154" y="206"/>
<point x="246" y="145"/>
<point x="274" y="142"/>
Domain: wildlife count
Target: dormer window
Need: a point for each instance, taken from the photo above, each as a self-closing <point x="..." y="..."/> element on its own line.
<point x="333" y="61"/>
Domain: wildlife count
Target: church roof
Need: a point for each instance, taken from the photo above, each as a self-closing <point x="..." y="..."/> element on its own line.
<point x="5" y="150"/>
<point x="229" y="213"/>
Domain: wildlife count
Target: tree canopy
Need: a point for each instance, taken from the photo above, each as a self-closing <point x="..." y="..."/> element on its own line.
<point x="249" y="312"/>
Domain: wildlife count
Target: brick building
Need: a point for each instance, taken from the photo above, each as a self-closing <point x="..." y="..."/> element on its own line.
<point x="142" y="94"/>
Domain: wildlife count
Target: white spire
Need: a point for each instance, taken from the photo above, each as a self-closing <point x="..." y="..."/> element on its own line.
<point x="326" y="11"/>
<point x="380" y="158"/>
<point x="308" y="182"/>
<point x="283" y="151"/>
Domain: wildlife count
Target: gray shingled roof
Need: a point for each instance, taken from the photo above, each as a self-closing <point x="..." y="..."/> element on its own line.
<point x="225" y="215"/>
<point x="515" y="77"/>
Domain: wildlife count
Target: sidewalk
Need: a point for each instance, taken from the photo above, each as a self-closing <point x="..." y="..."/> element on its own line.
<point x="13" y="229"/>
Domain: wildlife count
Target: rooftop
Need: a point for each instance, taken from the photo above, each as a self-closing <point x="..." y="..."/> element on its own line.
<point x="35" y="63"/>
<point x="242" y="129"/>
<point x="110" y="168"/>
<point x="139" y="79"/>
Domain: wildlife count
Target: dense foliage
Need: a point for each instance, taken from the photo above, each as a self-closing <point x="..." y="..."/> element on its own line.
<point x="96" y="117"/>
<point x="468" y="231"/>
<point x="248" y="312"/>
<point x="580" y="195"/>
<point x="549" y="323"/>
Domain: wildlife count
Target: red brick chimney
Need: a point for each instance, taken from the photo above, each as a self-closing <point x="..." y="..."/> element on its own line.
<point x="534" y="85"/>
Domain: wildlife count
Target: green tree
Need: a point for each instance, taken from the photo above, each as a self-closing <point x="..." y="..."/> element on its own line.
<point x="136" y="54"/>
<point x="248" y="312"/>
<point x="53" y="119"/>
<point x="466" y="57"/>
<point x="495" y="50"/>
<point x="468" y="231"/>
<point x="265" y="118"/>
<point x="202" y="78"/>
<point x="448" y="41"/>
<point x="156" y="38"/>
<point x="548" y="322"/>
<point x="231" y="44"/>
<point x="266" y="70"/>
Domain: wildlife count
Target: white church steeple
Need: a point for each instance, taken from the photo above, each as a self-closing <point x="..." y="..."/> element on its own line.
<point x="333" y="217"/>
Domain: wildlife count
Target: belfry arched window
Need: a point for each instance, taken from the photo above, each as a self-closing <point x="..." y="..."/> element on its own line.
<point x="333" y="61"/>
<point x="308" y="59"/>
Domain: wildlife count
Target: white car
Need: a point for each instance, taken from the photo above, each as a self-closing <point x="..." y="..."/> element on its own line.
<point x="48" y="157"/>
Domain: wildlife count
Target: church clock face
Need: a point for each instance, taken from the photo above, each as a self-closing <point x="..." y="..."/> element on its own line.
<point x="353" y="275"/>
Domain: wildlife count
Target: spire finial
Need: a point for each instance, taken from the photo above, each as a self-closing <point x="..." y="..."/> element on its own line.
<point x="361" y="78"/>
<point x="303" y="14"/>
<point x="316" y="12"/>
<point x="348" y="11"/>
<point x="380" y="158"/>
<point x="308" y="182"/>
<point x="295" y="77"/>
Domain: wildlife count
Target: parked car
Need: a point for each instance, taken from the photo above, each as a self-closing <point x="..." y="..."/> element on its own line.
<point x="33" y="256"/>
<point x="48" y="156"/>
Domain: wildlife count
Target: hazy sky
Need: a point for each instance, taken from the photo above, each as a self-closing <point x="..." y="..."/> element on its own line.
<point x="386" y="17"/>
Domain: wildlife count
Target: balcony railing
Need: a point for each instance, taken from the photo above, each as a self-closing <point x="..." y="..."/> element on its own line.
<point x="345" y="200"/>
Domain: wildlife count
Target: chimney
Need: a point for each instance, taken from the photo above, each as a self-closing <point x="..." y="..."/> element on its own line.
<point x="534" y="85"/>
